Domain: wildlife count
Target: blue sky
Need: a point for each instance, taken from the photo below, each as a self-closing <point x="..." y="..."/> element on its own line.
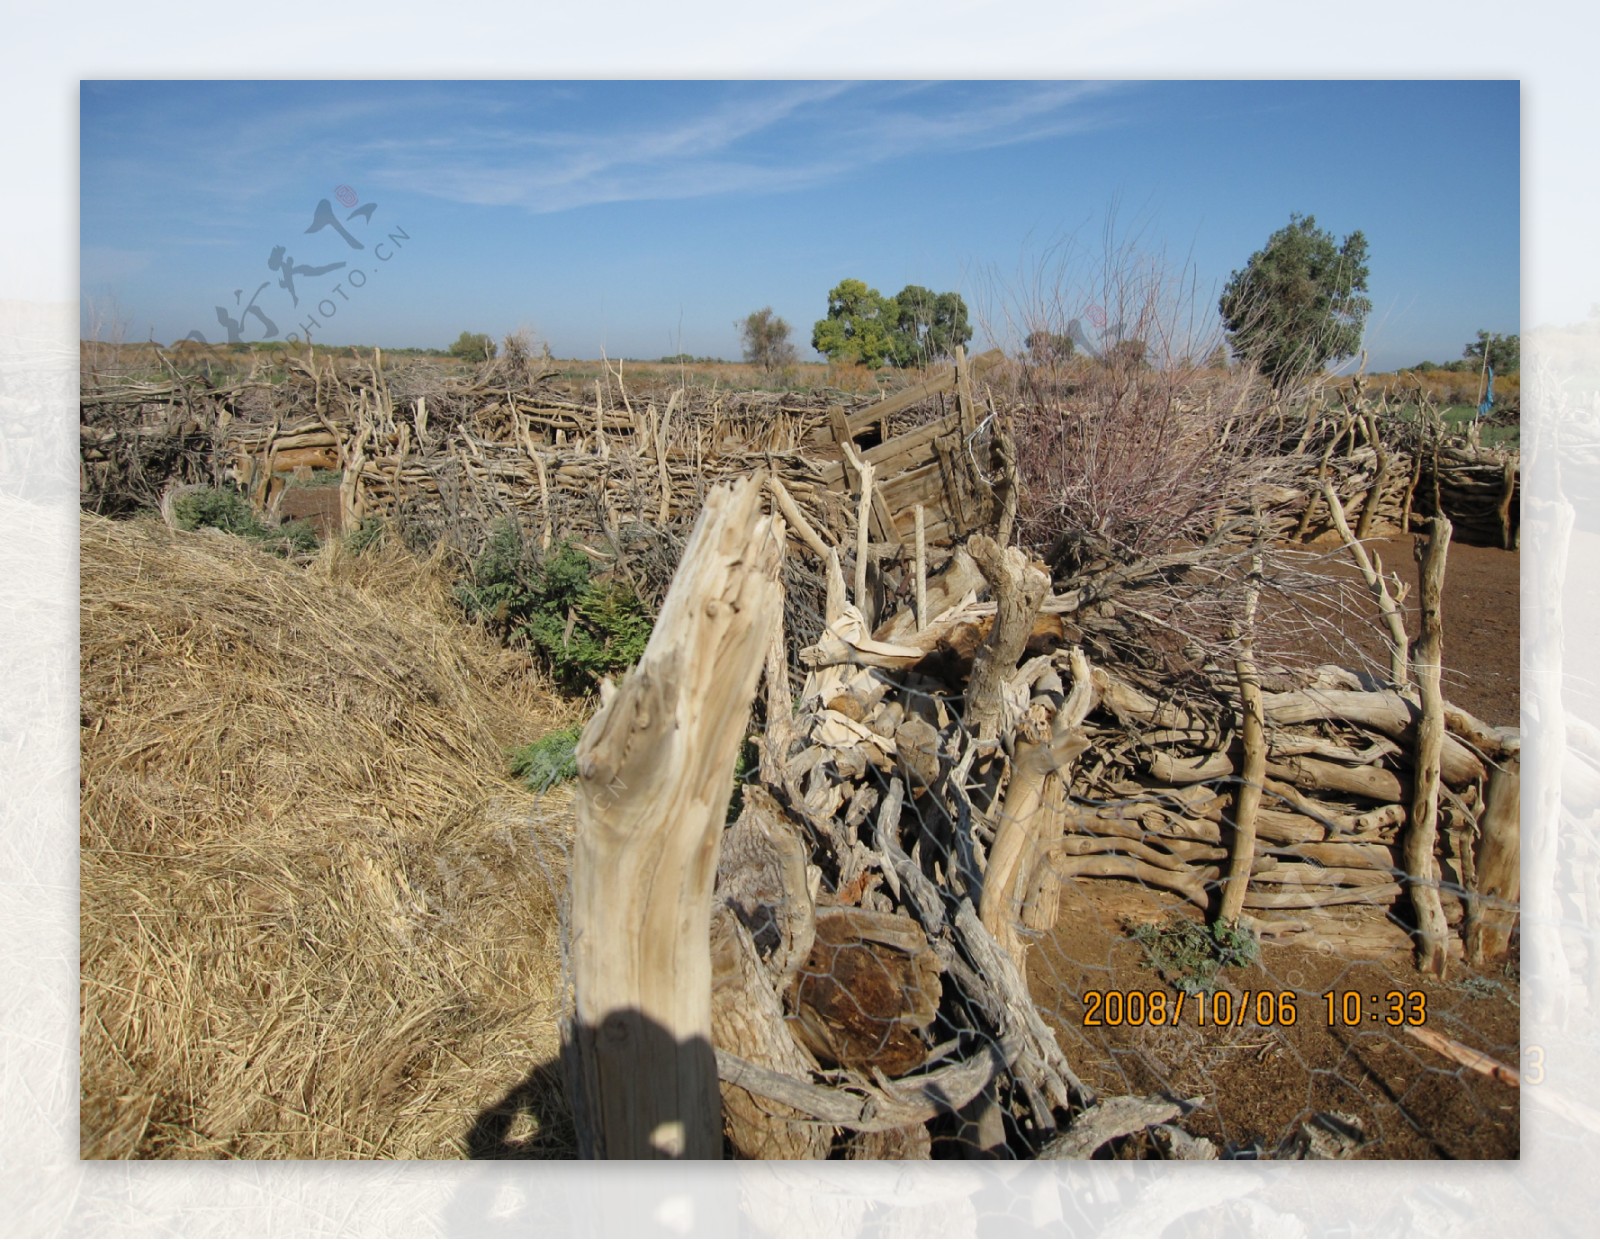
<point x="644" y="218"/>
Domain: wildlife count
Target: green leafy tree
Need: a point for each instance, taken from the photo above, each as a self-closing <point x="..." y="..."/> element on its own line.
<point x="950" y="326"/>
<point x="928" y="325"/>
<point x="1046" y="347"/>
<point x="1299" y="303"/>
<point x="860" y="326"/>
<point x="766" y="340"/>
<point x="1505" y="352"/>
<point x="474" y="347"/>
<point x="913" y="328"/>
<point x="915" y="311"/>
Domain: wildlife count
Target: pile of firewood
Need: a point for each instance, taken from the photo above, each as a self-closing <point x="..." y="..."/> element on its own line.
<point x="943" y="777"/>
<point x="1479" y="488"/>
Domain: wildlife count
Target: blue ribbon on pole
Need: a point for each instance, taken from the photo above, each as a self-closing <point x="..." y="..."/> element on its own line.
<point x="1488" y="396"/>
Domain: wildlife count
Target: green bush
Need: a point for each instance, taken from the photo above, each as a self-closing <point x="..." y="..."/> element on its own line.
<point x="1189" y="955"/>
<point x="214" y="509"/>
<point x="550" y="760"/>
<point x="585" y="627"/>
<point x="230" y="512"/>
<point x="291" y="538"/>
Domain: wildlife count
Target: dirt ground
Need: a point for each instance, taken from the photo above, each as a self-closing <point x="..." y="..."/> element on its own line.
<point x="1261" y="1083"/>
<point x="1481" y="616"/>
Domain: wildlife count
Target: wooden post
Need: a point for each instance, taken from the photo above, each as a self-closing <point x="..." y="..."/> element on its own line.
<point x="1508" y="492"/>
<point x="655" y="775"/>
<point x="922" y="568"/>
<point x="1491" y="908"/>
<point x="1029" y="820"/>
<point x="1421" y="868"/>
<point x="1369" y="510"/>
<point x="964" y="398"/>
<point x="1252" y="733"/>
<point x="864" y="475"/>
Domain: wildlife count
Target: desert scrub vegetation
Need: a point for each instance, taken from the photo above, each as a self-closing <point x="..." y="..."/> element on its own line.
<point x="217" y="508"/>
<point x="1135" y="442"/>
<point x="1190" y="955"/>
<point x="583" y="625"/>
<point x="550" y="760"/>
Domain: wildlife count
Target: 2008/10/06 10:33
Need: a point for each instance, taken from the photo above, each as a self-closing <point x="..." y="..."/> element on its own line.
<point x="1349" y="1008"/>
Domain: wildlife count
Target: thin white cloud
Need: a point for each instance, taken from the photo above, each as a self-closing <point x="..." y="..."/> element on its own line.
<point x="535" y="145"/>
<point x="793" y="137"/>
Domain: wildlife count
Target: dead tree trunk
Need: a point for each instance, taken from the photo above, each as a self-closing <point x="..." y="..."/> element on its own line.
<point x="1254" y="773"/>
<point x="655" y="774"/>
<point x="1491" y="909"/>
<point x="1421" y="868"/>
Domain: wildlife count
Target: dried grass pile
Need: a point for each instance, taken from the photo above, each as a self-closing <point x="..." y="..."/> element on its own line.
<point x="318" y="920"/>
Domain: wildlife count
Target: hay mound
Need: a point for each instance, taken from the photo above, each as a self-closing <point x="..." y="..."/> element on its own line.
<point x="318" y="920"/>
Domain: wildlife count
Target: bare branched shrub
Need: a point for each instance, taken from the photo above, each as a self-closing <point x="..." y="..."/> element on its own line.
<point x="1129" y="441"/>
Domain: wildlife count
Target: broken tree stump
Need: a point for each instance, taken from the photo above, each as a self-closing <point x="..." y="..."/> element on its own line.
<point x="655" y="771"/>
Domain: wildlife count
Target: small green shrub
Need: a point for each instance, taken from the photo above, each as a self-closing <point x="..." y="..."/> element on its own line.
<point x="230" y="512"/>
<point x="1189" y="955"/>
<point x="291" y="538"/>
<point x="216" y="509"/>
<point x="550" y="760"/>
<point x="498" y="589"/>
<point x="584" y="627"/>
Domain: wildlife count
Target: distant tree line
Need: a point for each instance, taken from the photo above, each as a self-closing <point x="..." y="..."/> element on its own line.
<point x="1505" y="355"/>
<point x="915" y="327"/>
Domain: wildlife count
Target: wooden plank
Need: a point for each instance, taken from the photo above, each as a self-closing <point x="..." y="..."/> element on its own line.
<point x="885" y="453"/>
<point x="966" y="407"/>
<point x="842" y="430"/>
<point x="912" y="480"/>
<point x="883" y="522"/>
<point x="943" y="382"/>
<point x="954" y="493"/>
<point x="902" y="401"/>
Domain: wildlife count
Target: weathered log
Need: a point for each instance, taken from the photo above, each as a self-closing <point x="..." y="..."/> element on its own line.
<point x="1417" y="854"/>
<point x="1019" y="587"/>
<point x="1492" y="908"/>
<point x="863" y="1108"/>
<point x="1113" y="1118"/>
<point x="747" y="1020"/>
<point x="1190" y="884"/>
<point x="1039" y="1063"/>
<point x="921" y="895"/>
<point x="655" y="772"/>
<point x="867" y="991"/>
<point x="1371" y="782"/>
<point x="761" y="878"/>
<point x="1039" y="767"/>
<point x="1395" y="717"/>
<point x="959" y="578"/>
<point x="1253" y="745"/>
<point x="1321" y="897"/>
